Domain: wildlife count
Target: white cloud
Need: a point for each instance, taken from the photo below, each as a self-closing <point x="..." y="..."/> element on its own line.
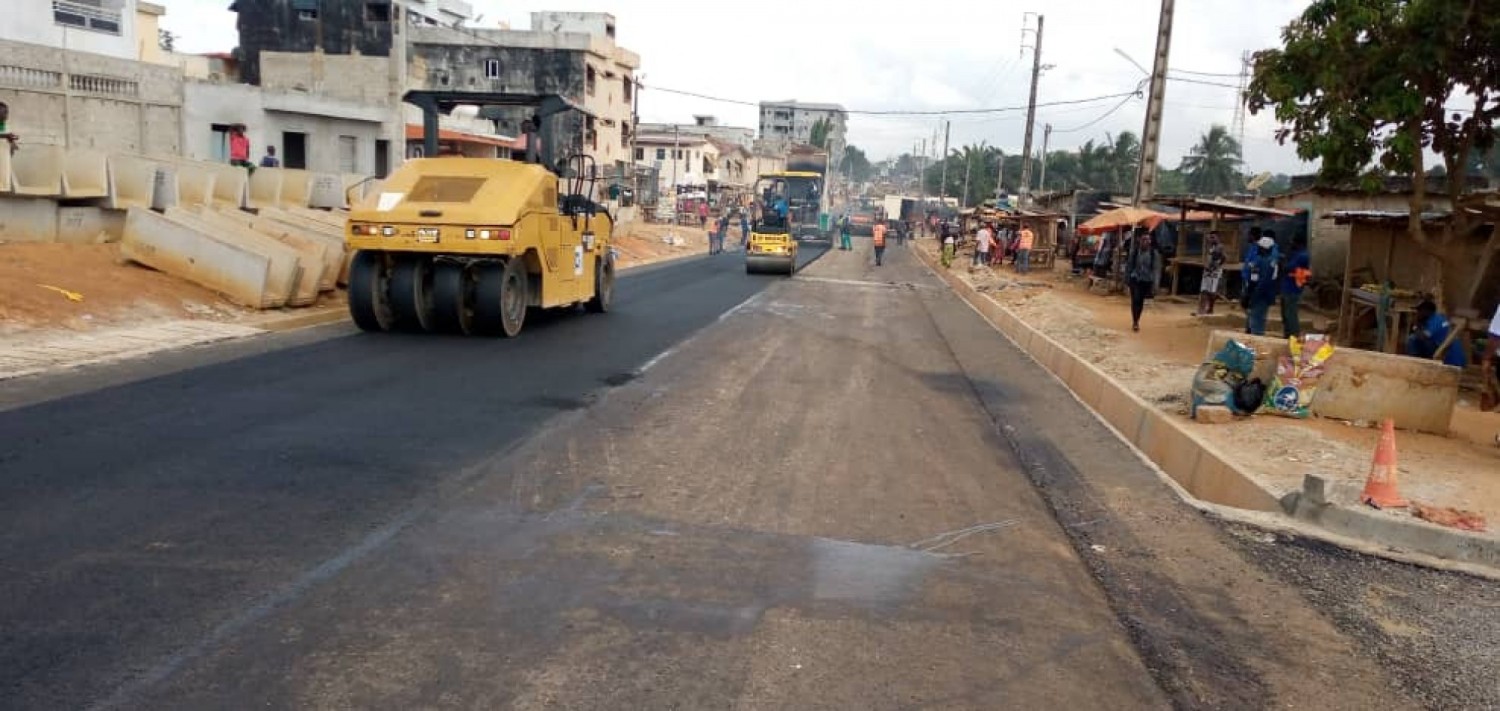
<point x="932" y="55"/>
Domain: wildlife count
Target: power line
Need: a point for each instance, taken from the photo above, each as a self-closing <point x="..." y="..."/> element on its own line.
<point x="903" y="112"/>
<point x="1205" y="74"/>
<point x="1204" y="83"/>
<point x="1101" y="117"/>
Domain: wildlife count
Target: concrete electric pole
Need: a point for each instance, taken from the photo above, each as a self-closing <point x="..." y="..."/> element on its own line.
<point x="1036" y="73"/>
<point x="943" y="189"/>
<point x="1145" y="174"/>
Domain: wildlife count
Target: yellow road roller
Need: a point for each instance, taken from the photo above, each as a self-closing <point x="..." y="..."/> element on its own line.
<point x="469" y="245"/>
<point x="782" y="209"/>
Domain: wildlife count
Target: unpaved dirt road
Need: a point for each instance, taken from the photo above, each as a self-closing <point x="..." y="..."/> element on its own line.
<point x="840" y="491"/>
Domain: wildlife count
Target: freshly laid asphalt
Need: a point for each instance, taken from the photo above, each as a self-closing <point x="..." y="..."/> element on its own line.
<point x="141" y="516"/>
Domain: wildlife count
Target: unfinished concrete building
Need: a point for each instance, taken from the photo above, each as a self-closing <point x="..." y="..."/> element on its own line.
<point x="572" y="55"/>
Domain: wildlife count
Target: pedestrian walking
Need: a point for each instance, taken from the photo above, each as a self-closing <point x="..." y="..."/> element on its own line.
<point x="1142" y="269"/>
<point x="703" y="214"/>
<point x="949" y="245"/>
<point x="877" y="236"/>
<point x="1213" y="273"/>
<point x="744" y="228"/>
<point x="1024" y="242"/>
<point x="983" y="242"/>
<point x="844" y="228"/>
<point x="1293" y="279"/>
<point x="1260" y="284"/>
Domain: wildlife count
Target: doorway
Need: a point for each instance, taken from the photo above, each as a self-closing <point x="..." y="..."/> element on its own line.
<point x="382" y="157"/>
<point x="294" y="150"/>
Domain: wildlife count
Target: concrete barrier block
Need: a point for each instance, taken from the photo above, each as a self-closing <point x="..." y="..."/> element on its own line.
<point x="285" y="270"/>
<point x="310" y="255"/>
<point x="329" y="253"/>
<point x="85" y="175"/>
<point x="326" y="190"/>
<point x="89" y="225"/>
<point x="1364" y="385"/>
<point x="7" y="181"/>
<point x="265" y="187"/>
<point x="240" y="275"/>
<point x="24" y="219"/>
<point x="133" y="180"/>
<point x="296" y="188"/>
<point x="37" y="171"/>
<point x="195" y="183"/>
<point x="231" y="186"/>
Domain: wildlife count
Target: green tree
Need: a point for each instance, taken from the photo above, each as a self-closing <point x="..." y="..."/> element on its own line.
<point x="1170" y="182"/>
<point x="855" y="164"/>
<point x="1364" y="87"/>
<point x="818" y="136"/>
<point x="1124" y="160"/>
<point x="1212" y="167"/>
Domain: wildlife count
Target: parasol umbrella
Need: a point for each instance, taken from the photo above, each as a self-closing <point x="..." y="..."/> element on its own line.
<point x="1122" y="217"/>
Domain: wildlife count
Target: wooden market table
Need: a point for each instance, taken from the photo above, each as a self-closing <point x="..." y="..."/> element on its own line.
<point x="1357" y="302"/>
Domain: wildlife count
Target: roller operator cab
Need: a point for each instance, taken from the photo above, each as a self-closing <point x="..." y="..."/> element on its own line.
<point x="469" y="245"/>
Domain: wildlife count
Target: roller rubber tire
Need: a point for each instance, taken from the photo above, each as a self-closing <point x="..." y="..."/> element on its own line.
<point x="369" y="297"/>
<point x="411" y="293"/>
<point x="604" y="286"/>
<point x="452" y="298"/>
<point x="500" y="299"/>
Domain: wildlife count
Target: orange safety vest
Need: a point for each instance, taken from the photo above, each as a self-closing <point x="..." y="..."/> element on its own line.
<point x="878" y="232"/>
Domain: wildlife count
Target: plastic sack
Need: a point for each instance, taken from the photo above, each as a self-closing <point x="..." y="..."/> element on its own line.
<point x="1297" y="374"/>
<point x="1217" y="381"/>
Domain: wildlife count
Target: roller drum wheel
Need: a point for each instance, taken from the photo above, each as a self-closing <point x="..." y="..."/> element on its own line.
<point x="411" y="293"/>
<point x="453" y="298"/>
<point x="369" y="296"/>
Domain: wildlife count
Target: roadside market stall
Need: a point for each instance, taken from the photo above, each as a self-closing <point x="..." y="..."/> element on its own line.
<point x="1199" y="216"/>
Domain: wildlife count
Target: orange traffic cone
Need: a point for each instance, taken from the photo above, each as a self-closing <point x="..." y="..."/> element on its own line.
<point x="1380" y="488"/>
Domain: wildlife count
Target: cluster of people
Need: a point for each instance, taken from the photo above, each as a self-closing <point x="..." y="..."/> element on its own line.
<point x="992" y="244"/>
<point x="1268" y="276"/>
<point x="720" y="231"/>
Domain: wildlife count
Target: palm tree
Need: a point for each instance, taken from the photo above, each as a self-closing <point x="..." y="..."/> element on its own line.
<point x="1213" y="166"/>
<point x="1124" y="160"/>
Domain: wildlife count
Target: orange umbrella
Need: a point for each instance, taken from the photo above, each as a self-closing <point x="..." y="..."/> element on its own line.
<point x="1122" y="217"/>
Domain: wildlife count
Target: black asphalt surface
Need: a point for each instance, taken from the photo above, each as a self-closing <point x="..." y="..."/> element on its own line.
<point x="148" y="519"/>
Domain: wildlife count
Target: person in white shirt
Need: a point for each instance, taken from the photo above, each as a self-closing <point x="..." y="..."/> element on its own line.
<point x="982" y="245"/>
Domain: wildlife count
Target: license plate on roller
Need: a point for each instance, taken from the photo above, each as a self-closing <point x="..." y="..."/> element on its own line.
<point x="427" y="234"/>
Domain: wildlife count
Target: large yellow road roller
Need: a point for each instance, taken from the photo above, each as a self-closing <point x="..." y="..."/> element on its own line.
<point x="469" y="245"/>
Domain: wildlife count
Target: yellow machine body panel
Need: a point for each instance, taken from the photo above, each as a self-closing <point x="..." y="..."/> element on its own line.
<point x="484" y="207"/>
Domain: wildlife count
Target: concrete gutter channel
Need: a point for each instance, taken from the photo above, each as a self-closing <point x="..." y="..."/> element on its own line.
<point x="1209" y="480"/>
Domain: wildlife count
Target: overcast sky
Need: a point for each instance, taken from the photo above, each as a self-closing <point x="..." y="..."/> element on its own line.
<point x="932" y="55"/>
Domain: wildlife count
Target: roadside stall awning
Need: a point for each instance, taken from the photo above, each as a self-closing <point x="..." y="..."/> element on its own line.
<point x="1120" y="218"/>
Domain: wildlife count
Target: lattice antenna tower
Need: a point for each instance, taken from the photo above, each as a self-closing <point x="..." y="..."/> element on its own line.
<point x="1238" y="125"/>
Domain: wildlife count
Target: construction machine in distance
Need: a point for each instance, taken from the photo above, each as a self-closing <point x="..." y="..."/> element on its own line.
<point x="469" y="245"/>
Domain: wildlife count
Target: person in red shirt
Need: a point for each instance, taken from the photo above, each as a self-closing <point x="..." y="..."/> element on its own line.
<point x="239" y="147"/>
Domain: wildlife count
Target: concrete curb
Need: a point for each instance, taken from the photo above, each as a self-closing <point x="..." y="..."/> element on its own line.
<point x="1207" y="479"/>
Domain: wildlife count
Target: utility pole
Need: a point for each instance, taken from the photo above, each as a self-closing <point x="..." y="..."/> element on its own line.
<point x="920" y="159"/>
<point x="1145" y="174"/>
<point x="1000" y="178"/>
<point x="1036" y="73"/>
<point x="969" y="168"/>
<point x="944" y="185"/>
<point x="1041" y="185"/>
